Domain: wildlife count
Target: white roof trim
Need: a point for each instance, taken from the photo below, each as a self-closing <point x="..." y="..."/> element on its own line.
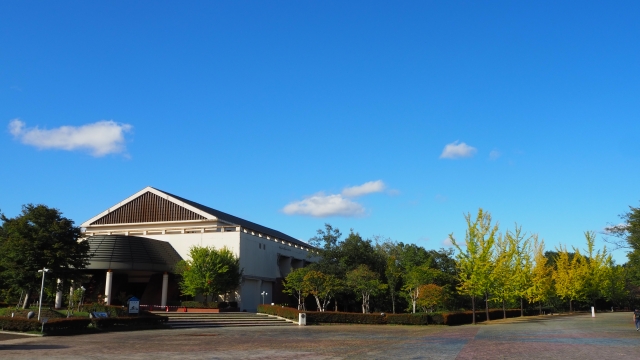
<point x="208" y="216"/>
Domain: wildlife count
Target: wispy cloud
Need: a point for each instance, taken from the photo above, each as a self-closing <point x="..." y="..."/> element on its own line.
<point x="457" y="150"/>
<point x="494" y="155"/>
<point x="99" y="138"/>
<point x="447" y="242"/>
<point x="366" y="188"/>
<point x="321" y="205"/>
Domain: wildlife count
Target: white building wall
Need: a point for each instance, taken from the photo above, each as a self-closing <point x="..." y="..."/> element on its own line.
<point x="183" y="242"/>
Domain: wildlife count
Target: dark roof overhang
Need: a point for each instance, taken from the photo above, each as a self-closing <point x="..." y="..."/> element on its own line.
<point x="119" y="252"/>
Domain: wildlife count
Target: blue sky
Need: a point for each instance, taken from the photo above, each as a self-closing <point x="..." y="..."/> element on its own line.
<point x="277" y="111"/>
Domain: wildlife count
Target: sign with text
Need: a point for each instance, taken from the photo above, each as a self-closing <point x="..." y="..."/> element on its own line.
<point x="134" y="305"/>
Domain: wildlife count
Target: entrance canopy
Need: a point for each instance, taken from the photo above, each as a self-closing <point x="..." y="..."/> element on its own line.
<point x="119" y="252"/>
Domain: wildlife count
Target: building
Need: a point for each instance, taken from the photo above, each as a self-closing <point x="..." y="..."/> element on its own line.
<point x="136" y="243"/>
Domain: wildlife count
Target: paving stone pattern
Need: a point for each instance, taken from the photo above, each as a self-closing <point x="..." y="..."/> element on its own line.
<point x="608" y="336"/>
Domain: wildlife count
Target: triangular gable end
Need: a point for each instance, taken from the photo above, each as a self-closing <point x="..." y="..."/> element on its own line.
<point x="148" y="205"/>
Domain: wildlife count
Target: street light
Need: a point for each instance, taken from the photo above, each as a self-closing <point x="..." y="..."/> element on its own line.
<point x="43" y="271"/>
<point x="264" y="293"/>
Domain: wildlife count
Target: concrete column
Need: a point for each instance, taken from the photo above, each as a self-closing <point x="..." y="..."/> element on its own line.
<point x="59" y="295"/>
<point x="165" y="287"/>
<point x="107" y="287"/>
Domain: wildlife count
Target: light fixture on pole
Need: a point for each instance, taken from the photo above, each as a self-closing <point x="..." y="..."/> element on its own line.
<point x="264" y="293"/>
<point x="43" y="271"/>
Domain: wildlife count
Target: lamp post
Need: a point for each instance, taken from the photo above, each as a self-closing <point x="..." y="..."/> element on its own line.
<point x="264" y="293"/>
<point x="43" y="271"/>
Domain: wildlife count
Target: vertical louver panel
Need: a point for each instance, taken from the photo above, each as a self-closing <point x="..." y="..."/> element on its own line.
<point x="148" y="207"/>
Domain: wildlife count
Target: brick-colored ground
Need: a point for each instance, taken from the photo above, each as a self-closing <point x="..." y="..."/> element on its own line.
<point x="608" y="336"/>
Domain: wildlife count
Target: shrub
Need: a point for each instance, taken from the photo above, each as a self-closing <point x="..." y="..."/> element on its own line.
<point x="66" y="325"/>
<point x="451" y="318"/>
<point x="344" y="318"/>
<point x="19" y="324"/>
<point x="233" y="304"/>
<point x="285" y="312"/>
<point x="412" y="319"/>
<point x="200" y="305"/>
<point x="145" y="322"/>
<point x="112" y="310"/>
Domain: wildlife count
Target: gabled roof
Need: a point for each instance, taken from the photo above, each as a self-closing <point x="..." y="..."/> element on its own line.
<point x="188" y="209"/>
<point x="238" y="221"/>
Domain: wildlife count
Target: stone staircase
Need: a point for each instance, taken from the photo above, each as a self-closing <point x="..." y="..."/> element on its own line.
<point x="180" y="320"/>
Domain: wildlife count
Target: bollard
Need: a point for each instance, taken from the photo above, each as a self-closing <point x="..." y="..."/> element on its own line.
<point x="166" y="308"/>
<point x="593" y="311"/>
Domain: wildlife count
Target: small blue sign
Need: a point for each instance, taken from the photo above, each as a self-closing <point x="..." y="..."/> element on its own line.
<point x="134" y="305"/>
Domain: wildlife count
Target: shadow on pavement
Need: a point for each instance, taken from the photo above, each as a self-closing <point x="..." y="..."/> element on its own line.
<point x="31" y="347"/>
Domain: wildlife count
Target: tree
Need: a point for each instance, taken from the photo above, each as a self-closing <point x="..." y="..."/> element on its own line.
<point x="521" y="276"/>
<point x="594" y="269"/>
<point x="474" y="263"/>
<point x="37" y="238"/>
<point x="322" y="286"/>
<point x="393" y="273"/>
<point x="294" y="285"/>
<point x="614" y="287"/>
<point x="209" y="272"/>
<point x="503" y="273"/>
<point x="568" y="276"/>
<point x="416" y="277"/>
<point x="431" y="295"/>
<point x="541" y="287"/>
<point x="364" y="283"/>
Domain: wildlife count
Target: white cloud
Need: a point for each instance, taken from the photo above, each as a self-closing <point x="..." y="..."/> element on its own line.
<point x="366" y="188"/>
<point x="494" y="154"/>
<point x="447" y="242"/>
<point x="321" y="205"/>
<point x="100" y="138"/>
<point x="457" y="150"/>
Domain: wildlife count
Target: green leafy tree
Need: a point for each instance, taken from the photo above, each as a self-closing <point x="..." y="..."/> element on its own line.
<point x="522" y="264"/>
<point x="595" y="269"/>
<point x="475" y="261"/>
<point x="414" y="279"/>
<point x="294" y="285"/>
<point x="569" y="276"/>
<point x="209" y="272"/>
<point x="37" y="238"/>
<point x="393" y="273"/>
<point x="541" y="287"/>
<point x="503" y="273"/>
<point x="364" y="283"/>
<point x="614" y="287"/>
<point x="323" y="287"/>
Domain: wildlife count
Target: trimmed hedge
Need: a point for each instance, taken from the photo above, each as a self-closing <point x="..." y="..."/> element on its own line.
<point x="66" y="325"/>
<point x="451" y="318"/>
<point x="210" y="305"/>
<point x="285" y="312"/>
<point x="146" y="322"/>
<point x="112" y="310"/>
<point x="415" y="319"/>
<point x="19" y="324"/>
<point x="344" y="318"/>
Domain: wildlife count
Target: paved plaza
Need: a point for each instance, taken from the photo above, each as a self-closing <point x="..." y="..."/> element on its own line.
<point x="608" y="336"/>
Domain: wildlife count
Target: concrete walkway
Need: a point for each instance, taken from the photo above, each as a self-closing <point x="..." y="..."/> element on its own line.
<point x="608" y="336"/>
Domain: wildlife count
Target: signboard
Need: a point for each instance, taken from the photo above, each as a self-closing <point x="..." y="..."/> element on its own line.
<point x="134" y="305"/>
<point x="100" y="314"/>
